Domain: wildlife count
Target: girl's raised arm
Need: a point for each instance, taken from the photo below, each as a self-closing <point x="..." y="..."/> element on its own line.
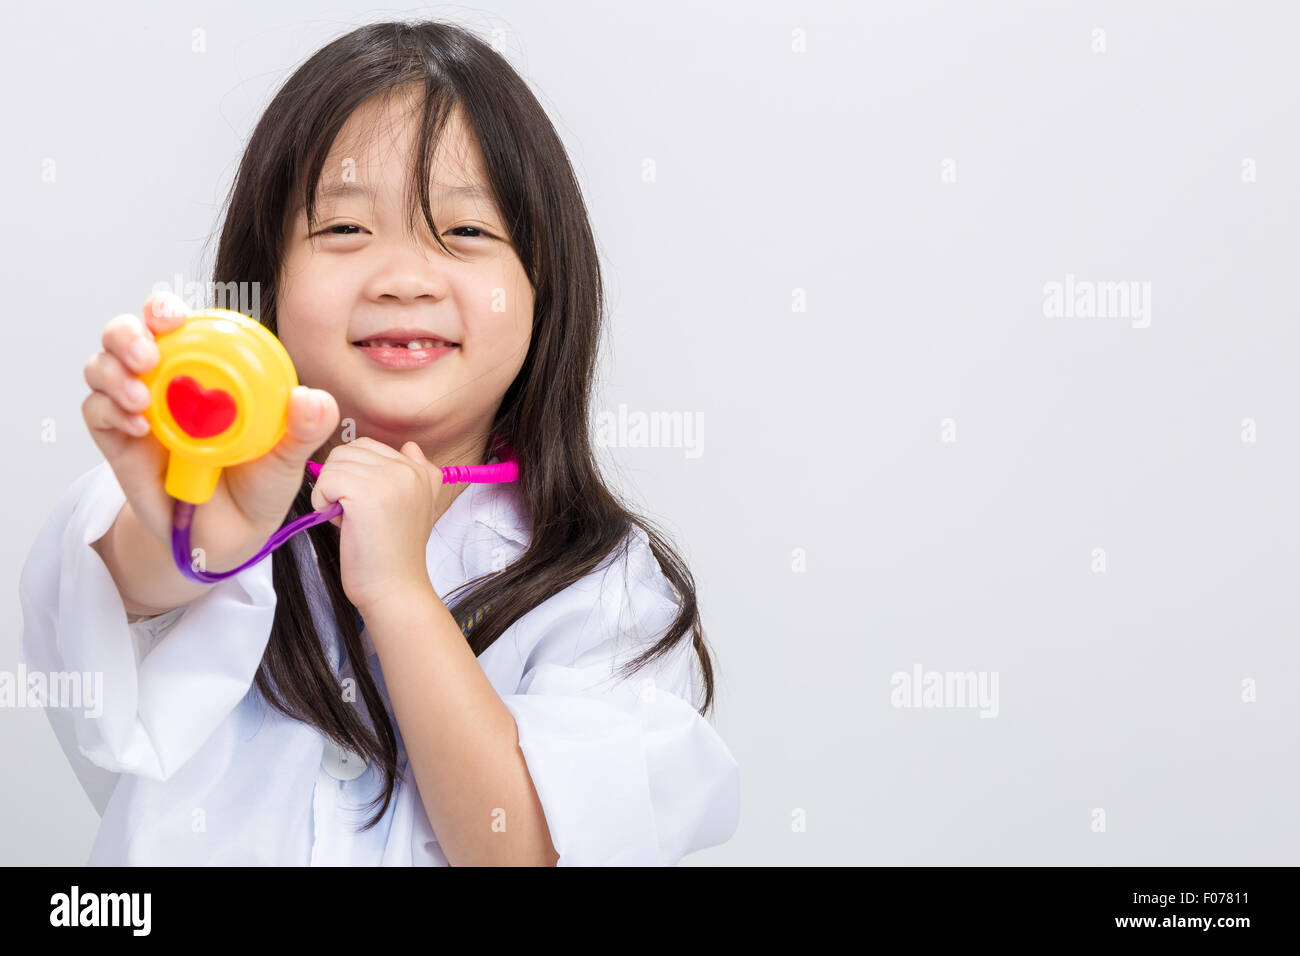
<point x="250" y="502"/>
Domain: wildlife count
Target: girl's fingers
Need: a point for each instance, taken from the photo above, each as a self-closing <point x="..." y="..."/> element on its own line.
<point x="412" y="451"/>
<point x="312" y="416"/>
<point x="126" y="338"/>
<point x="331" y="485"/>
<point x="104" y="373"/>
<point x="360" y="449"/>
<point x="103" y="414"/>
<point x="165" y="312"/>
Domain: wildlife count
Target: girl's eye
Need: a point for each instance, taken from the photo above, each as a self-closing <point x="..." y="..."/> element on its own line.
<point x="355" y="230"/>
<point x="343" y="225"/>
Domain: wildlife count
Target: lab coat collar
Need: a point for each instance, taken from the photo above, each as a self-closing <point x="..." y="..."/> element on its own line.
<point x="485" y="525"/>
<point x="499" y="507"/>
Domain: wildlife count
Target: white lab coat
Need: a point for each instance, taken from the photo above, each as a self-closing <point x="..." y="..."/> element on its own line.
<point x="188" y="765"/>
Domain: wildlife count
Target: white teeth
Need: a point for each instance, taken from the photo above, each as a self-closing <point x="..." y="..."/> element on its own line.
<point x="413" y="344"/>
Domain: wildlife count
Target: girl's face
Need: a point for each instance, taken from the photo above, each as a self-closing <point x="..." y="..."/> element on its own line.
<point x="361" y="296"/>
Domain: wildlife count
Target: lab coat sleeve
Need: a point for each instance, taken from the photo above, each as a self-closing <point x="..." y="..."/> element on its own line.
<point x="626" y="769"/>
<point x="167" y="681"/>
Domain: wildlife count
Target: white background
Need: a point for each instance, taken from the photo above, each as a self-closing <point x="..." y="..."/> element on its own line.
<point x="779" y="170"/>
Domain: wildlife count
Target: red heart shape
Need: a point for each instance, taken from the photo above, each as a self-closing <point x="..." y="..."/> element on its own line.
<point x="201" y="412"/>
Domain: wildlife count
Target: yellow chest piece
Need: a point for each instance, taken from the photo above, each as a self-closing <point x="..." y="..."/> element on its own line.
<point x="219" y="396"/>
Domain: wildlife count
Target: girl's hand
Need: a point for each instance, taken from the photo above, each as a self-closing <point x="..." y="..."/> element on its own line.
<point x="251" y="500"/>
<point x="391" y="501"/>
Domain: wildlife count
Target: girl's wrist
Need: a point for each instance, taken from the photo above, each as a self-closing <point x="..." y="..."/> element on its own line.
<point x="216" y="551"/>
<point x="398" y="600"/>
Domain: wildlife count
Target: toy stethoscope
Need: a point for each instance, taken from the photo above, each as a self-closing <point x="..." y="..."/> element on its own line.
<point x="219" y="396"/>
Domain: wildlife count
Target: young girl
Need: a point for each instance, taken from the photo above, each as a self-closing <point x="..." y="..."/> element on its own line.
<point x="498" y="673"/>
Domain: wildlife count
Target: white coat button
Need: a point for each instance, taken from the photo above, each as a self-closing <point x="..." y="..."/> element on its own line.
<point x="340" y="763"/>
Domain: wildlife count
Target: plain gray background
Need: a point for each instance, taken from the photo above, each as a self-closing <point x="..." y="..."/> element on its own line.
<point x="823" y="171"/>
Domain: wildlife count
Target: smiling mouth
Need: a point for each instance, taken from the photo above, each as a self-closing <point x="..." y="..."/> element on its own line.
<point x="412" y="344"/>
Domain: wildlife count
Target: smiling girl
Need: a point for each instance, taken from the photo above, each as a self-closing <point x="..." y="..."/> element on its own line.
<point x="499" y="673"/>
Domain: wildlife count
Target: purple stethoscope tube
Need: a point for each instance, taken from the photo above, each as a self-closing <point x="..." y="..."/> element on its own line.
<point x="183" y="514"/>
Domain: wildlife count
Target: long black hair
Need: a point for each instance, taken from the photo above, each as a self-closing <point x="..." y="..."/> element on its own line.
<point x="576" y="521"/>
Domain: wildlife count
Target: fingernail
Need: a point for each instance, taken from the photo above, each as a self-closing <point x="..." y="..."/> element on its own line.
<point x="169" y="307"/>
<point x="142" y="350"/>
<point x="137" y="391"/>
<point x="140" y="424"/>
<point x="315" y="408"/>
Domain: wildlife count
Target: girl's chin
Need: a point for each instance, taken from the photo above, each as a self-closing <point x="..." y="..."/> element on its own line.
<point x="406" y="396"/>
<point x="398" y="422"/>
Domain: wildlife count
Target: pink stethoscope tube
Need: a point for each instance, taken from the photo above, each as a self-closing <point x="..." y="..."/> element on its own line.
<point x="507" y="469"/>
